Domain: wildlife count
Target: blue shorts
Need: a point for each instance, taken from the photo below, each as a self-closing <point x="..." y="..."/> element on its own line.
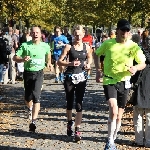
<point x="55" y="57"/>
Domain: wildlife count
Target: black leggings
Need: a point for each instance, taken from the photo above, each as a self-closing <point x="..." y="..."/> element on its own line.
<point x="78" y="89"/>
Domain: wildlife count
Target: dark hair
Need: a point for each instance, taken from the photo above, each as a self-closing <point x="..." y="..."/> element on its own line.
<point x="105" y="36"/>
<point x="57" y="27"/>
<point x="85" y="28"/>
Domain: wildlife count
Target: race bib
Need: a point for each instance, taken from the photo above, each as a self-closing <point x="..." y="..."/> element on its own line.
<point x="127" y="83"/>
<point x="36" y="62"/>
<point x="58" y="46"/>
<point x="76" y="78"/>
<point x="20" y="67"/>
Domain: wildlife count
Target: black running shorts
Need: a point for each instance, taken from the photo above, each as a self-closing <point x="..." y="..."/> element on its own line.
<point x="33" y="81"/>
<point x="118" y="92"/>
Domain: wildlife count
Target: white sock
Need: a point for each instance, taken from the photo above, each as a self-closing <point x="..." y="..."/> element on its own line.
<point x="111" y="130"/>
<point x="30" y="108"/>
<point x="118" y="125"/>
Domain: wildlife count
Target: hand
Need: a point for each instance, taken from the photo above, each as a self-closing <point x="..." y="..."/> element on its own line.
<point x="50" y="67"/>
<point x="98" y="76"/>
<point x="26" y="58"/>
<point x="75" y="62"/>
<point x="132" y="70"/>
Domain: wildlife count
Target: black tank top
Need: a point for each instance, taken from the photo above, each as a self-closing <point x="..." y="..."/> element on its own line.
<point x="73" y="55"/>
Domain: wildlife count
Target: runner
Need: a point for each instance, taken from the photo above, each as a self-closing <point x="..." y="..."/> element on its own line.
<point x="59" y="42"/>
<point x="66" y="33"/>
<point x="75" y="78"/>
<point x="119" y="54"/>
<point x="33" y="54"/>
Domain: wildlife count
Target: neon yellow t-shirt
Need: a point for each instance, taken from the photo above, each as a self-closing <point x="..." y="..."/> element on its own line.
<point x="37" y="54"/>
<point x="117" y="57"/>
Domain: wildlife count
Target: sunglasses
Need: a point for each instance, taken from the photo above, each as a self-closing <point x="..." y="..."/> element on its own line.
<point x="125" y="30"/>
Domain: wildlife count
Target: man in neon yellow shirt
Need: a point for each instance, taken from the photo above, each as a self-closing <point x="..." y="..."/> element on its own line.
<point x="118" y="68"/>
<point x="33" y="54"/>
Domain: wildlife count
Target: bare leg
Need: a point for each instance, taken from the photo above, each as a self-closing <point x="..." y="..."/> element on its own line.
<point x="78" y="119"/>
<point x="69" y="115"/>
<point x="35" y="111"/>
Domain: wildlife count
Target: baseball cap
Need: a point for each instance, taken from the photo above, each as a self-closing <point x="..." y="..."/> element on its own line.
<point x="123" y="24"/>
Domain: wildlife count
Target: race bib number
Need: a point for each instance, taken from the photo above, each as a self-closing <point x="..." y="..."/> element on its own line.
<point x="58" y="46"/>
<point x="36" y="63"/>
<point x="127" y="83"/>
<point x="76" y="78"/>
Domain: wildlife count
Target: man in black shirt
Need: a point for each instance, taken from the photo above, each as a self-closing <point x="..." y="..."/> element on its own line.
<point x="66" y="33"/>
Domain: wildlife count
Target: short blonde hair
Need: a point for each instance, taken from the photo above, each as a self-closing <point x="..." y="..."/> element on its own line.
<point x="78" y="27"/>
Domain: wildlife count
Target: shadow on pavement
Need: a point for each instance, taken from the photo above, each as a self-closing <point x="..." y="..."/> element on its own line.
<point x="14" y="148"/>
<point x="64" y="138"/>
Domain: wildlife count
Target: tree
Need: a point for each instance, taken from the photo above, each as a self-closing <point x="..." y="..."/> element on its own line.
<point x="49" y="13"/>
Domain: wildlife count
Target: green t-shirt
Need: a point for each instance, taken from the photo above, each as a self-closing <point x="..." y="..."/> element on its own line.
<point x="117" y="56"/>
<point x="37" y="52"/>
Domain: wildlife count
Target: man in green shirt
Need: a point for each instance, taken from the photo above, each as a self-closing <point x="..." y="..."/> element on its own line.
<point x="34" y="54"/>
<point x="119" y="54"/>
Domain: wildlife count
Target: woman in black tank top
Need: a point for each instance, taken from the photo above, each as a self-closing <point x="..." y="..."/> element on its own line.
<point x="75" y="79"/>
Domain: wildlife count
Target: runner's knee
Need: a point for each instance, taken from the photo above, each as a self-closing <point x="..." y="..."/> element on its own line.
<point x="78" y="107"/>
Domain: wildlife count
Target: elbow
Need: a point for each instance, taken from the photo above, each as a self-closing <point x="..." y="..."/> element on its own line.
<point x="143" y="65"/>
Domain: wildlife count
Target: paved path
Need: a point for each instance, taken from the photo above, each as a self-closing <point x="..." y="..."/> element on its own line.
<point x="51" y="125"/>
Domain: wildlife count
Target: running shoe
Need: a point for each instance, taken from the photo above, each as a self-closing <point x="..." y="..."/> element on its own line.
<point x="32" y="127"/>
<point x="62" y="77"/>
<point x="109" y="146"/>
<point x="69" y="128"/>
<point x="77" y="136"/>
<point x="56" y="80"/>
